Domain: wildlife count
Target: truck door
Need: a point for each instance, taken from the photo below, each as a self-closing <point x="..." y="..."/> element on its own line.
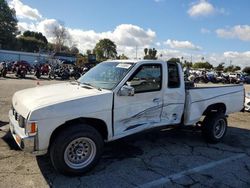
<point x="138" y="112"/>
<point x="174" y="95"/>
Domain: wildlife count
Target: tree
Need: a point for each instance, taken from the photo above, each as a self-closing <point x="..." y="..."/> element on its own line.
<point x="88" y="52"/>
<point x="150" y="53"/>
<point x="8" y="25"/>
<point x="220" y="67"/>
<point x="29" y="44"/>
<point x="36" y="35"/>
<point x="246" y="70"/>
<point x="60" y="35"/>
<point x="145" y="51"/>
<point x="202" y="65"/>
<point x="187" y="64"/>
<point x="74" y="50"/>
<point x="31" y="41"/>
<point x="232" y="68"/>
<point x="237" y="68"/>
<point x="105" y="49"/>
<point x="122" y="57"/>
<point x="174" y="60"/>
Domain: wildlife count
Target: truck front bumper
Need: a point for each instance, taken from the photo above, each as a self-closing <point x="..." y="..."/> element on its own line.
<point x="26" y="143"/>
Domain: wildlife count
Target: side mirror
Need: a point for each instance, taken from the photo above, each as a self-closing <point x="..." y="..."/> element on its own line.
<point x="126" y="91"/>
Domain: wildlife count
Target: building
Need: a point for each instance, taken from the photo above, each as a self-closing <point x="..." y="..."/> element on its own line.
<point x="7" y="55"/>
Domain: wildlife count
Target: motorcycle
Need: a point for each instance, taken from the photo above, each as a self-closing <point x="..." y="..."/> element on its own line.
<point x="3" y="70"/>
<point x="37" y="72"/>
<point x="65" y="74"/>
<point x="76" y="73"/>
<point x="201" y="79"/>
<point x="21" y="71"/>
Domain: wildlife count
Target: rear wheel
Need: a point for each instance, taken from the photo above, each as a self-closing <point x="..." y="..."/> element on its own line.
<point x="197" y="80"/>
<point x="214" y="127"/>
<point x="76" y="149"/>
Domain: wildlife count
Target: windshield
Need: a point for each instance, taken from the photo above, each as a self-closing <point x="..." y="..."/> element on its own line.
<point x="106" y="75"/>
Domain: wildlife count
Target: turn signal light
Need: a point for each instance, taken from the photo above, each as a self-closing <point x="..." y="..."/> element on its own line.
<point x="31" y="128"/>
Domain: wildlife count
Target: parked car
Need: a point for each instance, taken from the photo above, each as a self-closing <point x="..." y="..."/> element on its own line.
<point x="71" y="121"/>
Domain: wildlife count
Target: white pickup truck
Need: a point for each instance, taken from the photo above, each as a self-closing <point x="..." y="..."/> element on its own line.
<point x="71" y="121"/>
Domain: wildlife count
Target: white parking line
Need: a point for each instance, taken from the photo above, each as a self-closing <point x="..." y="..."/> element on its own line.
<point x="179" y="175"/>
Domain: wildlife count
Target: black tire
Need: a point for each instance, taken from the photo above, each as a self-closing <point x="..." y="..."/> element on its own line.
<point x="67" y="138"/>
<point x="203" y="80"/>
<point x="210" y="127"/>
<point x="77" y="75"/>
<point x="196" y="80"/>
<point x="4" y="73"/>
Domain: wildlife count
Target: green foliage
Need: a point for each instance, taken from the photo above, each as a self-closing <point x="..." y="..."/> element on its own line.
<point x="232" y="68"/>
<point x="36" y="35"/>
<point x="220" y="67"/>
<point x="105" y="49"/>
<point x="150" y="53"/>
<point x="202" y="65"/>
<point x="187" y="64"/>
<point x="8" y="26"/>
<point x="32" y="42"/>
<point x="246" y="70"/>
<point x="122" y="57"/>
<point x="174" y="60"/>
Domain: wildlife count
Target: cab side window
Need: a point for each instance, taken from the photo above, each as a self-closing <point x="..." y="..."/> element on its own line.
<point x="147" y="78"/>
<point x="173" y="75"/>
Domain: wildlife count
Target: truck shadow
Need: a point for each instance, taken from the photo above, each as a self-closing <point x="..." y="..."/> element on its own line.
<point x="3" y="123"/>
<point x="7" y="138"/>
<point x="142" y="145"/>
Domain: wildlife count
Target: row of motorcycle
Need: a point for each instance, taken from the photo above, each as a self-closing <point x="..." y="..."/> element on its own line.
<point x="55" y="71"/>
<point x="223" y="78"/>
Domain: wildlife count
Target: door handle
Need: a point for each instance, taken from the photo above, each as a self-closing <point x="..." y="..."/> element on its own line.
<point x="156" y="100"/>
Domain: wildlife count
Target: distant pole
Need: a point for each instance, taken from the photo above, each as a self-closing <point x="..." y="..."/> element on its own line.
<point x="191" y="58"/>
<point x="136" y="52"/>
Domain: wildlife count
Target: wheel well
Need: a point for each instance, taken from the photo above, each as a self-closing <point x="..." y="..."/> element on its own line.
<point x="98" y="124"/>
<point x="218" y="107"/>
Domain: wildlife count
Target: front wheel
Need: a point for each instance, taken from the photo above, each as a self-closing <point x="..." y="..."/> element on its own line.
<point x="76" y="149"/>
<point x="214" y="127"/>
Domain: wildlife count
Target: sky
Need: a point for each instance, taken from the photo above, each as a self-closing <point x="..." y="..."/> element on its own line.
<point x="218" y="30"/>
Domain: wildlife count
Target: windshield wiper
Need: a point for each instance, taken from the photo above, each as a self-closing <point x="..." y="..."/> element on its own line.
<point x="88" y="84"/>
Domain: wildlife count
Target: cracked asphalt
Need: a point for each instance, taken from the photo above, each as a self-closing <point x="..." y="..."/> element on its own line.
<point x="158" y="158"/>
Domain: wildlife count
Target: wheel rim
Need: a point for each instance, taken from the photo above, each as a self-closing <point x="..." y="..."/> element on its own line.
<point x="80" y="153"/>
<point x="219" y="128"/>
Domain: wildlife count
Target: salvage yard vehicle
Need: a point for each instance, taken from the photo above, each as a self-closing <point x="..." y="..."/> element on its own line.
<point x="71" y="121"/>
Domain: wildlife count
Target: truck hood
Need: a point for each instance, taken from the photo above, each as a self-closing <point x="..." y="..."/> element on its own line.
<point x="28" y="100"/>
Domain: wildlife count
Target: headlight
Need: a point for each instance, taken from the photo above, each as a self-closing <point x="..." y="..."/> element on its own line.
<point x="21" y="121"/>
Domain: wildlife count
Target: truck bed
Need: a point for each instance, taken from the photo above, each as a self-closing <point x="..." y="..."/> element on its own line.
<point x="199" y="98"/>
